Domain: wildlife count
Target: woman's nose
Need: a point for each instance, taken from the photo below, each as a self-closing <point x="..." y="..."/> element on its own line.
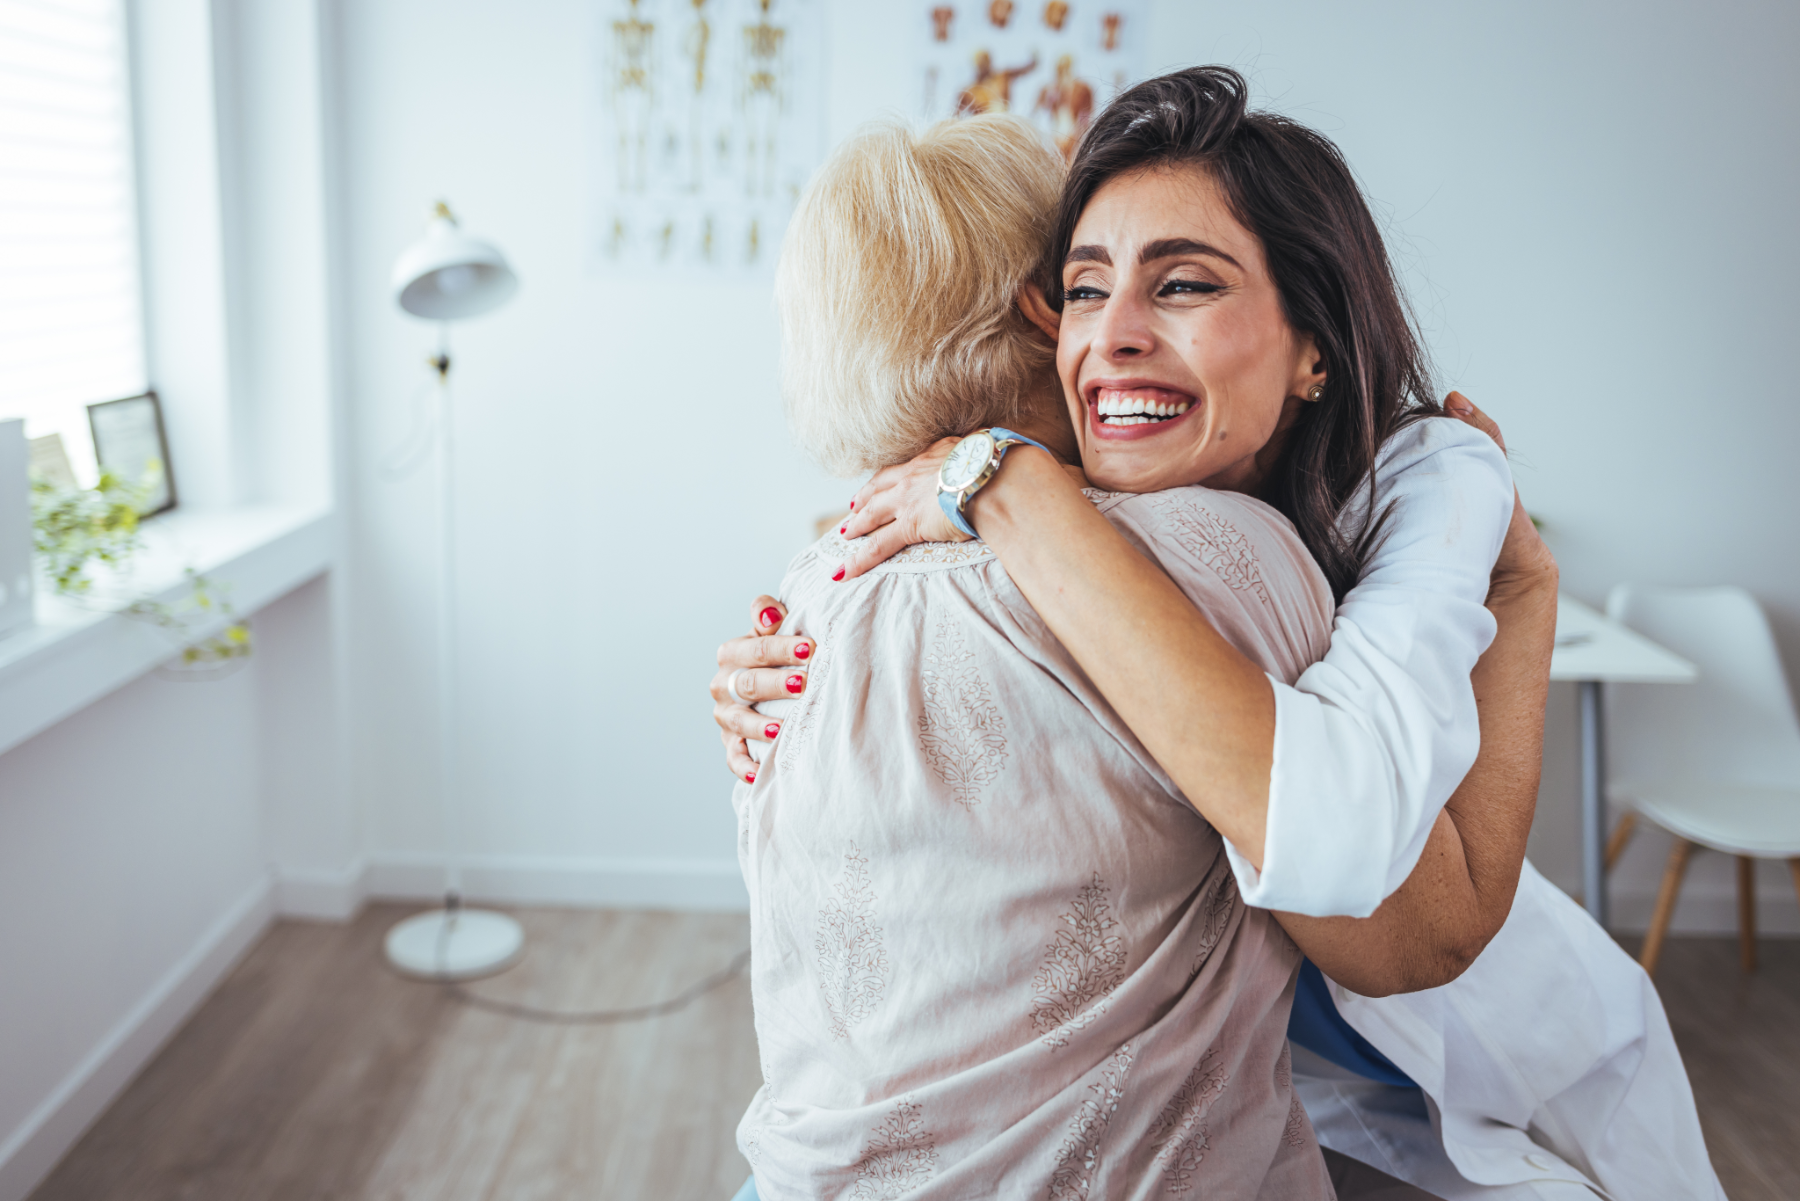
<point x="1124" y="328"/>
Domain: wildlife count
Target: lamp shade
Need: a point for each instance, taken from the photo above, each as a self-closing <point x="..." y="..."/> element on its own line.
<point x="447" y="275"/>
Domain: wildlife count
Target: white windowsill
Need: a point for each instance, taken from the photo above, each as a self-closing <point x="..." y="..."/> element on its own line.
<point x="77" y="652"/>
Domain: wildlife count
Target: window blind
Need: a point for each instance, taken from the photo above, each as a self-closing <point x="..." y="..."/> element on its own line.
<point x="71" y="320"/>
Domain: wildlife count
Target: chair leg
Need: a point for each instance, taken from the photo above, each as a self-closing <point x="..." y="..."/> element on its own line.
<point x="1747" y="910"/>
<point x="1665" y="904"/>
<point x="1615" y="846"/>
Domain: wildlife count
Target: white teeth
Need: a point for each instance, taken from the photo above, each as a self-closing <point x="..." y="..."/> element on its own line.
<point x="1129" y="411"/>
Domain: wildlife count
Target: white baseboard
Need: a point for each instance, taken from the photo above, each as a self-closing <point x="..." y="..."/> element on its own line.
<point x="29" y="1152"/>
<point x="693" y="885"/>
<point x="323" y="896"/>
<point x="1707" y="907"/>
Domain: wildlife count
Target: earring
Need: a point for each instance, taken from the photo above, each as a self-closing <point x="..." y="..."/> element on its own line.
<point x="1316" y="392"/>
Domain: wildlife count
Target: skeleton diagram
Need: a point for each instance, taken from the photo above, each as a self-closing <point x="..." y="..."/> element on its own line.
<point x="632" y="96"/>
<point x="992" y="90"/>
<point x="1070" y="103"/>
<point x="1109" y="30"/>
<point x="762" y="101"/>
<point x="698" y="35"/>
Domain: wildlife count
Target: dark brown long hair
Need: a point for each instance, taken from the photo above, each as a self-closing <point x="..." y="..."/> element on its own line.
<point x="1291" y="188"/>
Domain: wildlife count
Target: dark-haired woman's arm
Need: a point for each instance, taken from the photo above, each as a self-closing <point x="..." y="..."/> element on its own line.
<point x="1204" y="710"/>
<point x="1459" y="894"/>
<point x="1327" y="790"/>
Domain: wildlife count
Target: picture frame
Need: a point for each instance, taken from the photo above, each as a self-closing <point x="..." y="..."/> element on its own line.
<point x="129" y="437"/>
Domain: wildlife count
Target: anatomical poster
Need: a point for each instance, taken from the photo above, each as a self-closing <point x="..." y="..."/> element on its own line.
<point x="1055" y="62"/>
<point x="709" y="120"/>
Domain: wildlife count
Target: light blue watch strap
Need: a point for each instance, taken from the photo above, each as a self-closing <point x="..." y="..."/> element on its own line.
<point x="1006" y="439"/>
<point x="947" y="503"/>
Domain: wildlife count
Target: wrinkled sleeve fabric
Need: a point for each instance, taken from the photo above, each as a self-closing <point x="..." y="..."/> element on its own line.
<point x="1372" y="739"/>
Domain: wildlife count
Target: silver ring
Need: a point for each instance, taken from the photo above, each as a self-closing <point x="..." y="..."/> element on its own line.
<point x="731" y="686"/>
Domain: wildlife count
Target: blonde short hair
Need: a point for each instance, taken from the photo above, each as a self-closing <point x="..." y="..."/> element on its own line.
<point x="898" y="283"/>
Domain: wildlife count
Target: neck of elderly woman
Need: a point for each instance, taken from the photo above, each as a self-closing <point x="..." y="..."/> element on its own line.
<point x="1046" y="419"/>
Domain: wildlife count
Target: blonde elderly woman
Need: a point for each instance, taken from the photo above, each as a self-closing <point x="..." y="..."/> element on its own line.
<point x="995" y="950"/>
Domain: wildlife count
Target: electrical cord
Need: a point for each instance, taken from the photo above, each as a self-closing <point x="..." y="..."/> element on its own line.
<point x="531" y="1013"/>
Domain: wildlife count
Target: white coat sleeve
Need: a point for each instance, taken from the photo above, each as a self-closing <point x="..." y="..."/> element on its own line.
<point x="1372" y="739"/>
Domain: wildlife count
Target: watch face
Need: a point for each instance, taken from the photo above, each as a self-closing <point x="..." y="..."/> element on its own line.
<point x="966" y="461"/>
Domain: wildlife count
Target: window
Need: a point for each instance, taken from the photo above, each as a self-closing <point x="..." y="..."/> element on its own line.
<point x="71" y="308"/>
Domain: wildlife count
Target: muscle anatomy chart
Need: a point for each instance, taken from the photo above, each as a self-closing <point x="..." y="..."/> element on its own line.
<point x="709" y="120"/>
<point x="1055" y="62"/>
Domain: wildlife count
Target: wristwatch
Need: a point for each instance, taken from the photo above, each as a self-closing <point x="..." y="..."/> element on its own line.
<point x="972" y="463"/>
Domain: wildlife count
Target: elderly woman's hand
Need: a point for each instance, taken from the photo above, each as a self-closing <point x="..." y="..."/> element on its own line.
<point x="898" y="507"/>
<point x="761" y="666"/>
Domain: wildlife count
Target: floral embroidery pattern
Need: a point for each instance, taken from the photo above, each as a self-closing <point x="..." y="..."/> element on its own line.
<point x="944" y="553"/>
<point x="1082" y="964"/>
<point x="1294" y="1133"/>
<point x="797" y="731"/>
<point x="961" y="731"/>
<point x="1179" y="1133"/>
<point x="1212" y="927"/>
<point x="834" y="548"/>
<point x="1078" y="1159"/>
<point x="853" y="966"/>
<point x="902" y="1155"/>
<point x="1214" y="541"/>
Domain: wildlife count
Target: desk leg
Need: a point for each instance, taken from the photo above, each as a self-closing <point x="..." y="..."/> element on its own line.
<point x="1593" y="803"/>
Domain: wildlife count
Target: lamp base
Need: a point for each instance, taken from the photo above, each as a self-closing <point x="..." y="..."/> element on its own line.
<point x="466" y="944"/>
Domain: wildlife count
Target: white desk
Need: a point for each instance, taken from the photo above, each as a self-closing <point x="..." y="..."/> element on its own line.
<point x="1592" y="649"/>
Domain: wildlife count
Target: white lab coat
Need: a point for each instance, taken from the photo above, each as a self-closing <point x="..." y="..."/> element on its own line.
<point x="1550" y="1059"/>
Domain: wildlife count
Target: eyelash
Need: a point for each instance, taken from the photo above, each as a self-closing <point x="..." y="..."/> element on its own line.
<point x="1172" y="288"/>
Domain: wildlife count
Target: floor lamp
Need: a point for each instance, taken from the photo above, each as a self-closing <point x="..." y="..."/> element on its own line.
<point x="448" y="276"/>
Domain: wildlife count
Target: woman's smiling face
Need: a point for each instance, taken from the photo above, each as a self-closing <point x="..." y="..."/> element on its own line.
<point x="1177" y="362"/>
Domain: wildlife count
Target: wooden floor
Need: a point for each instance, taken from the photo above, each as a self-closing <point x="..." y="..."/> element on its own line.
<point x="1740" y="1037"/>
<point x="314" y="1072"/>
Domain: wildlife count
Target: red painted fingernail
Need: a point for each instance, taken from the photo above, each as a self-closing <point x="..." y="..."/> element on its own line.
<point x="796" y="683"/>
<point x="802" y="650"/>
<point x="843" y="527"/>
<point x="770" y="617"/>
<point x="853" y="504"/>
<point x="839" y="573"/>
<point x="771" y="730"/>
<point x="749" y="777"/>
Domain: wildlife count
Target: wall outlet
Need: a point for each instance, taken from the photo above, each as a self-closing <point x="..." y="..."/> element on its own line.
<point x="15" y="527"/>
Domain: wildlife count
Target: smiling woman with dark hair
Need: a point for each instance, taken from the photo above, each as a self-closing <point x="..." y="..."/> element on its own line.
<point x="1225" y="315"/>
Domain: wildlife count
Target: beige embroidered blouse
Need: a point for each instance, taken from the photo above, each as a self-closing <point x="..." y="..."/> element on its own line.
<point x="994" y="952"/>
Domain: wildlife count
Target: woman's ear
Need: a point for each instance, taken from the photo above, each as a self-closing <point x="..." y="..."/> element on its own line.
<point x="1309" y="367"/>
<point x="1037" y="310"/>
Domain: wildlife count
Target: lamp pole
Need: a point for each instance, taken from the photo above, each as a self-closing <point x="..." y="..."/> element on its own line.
<point x="445" y="276"/>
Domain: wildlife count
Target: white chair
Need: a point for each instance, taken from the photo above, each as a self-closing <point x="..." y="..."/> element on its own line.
<point x="1716" y="762"/>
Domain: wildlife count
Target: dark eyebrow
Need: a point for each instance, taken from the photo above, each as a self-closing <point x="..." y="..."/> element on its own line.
<point x="1163" y="248"/>
<point x="1168" y="248"/>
